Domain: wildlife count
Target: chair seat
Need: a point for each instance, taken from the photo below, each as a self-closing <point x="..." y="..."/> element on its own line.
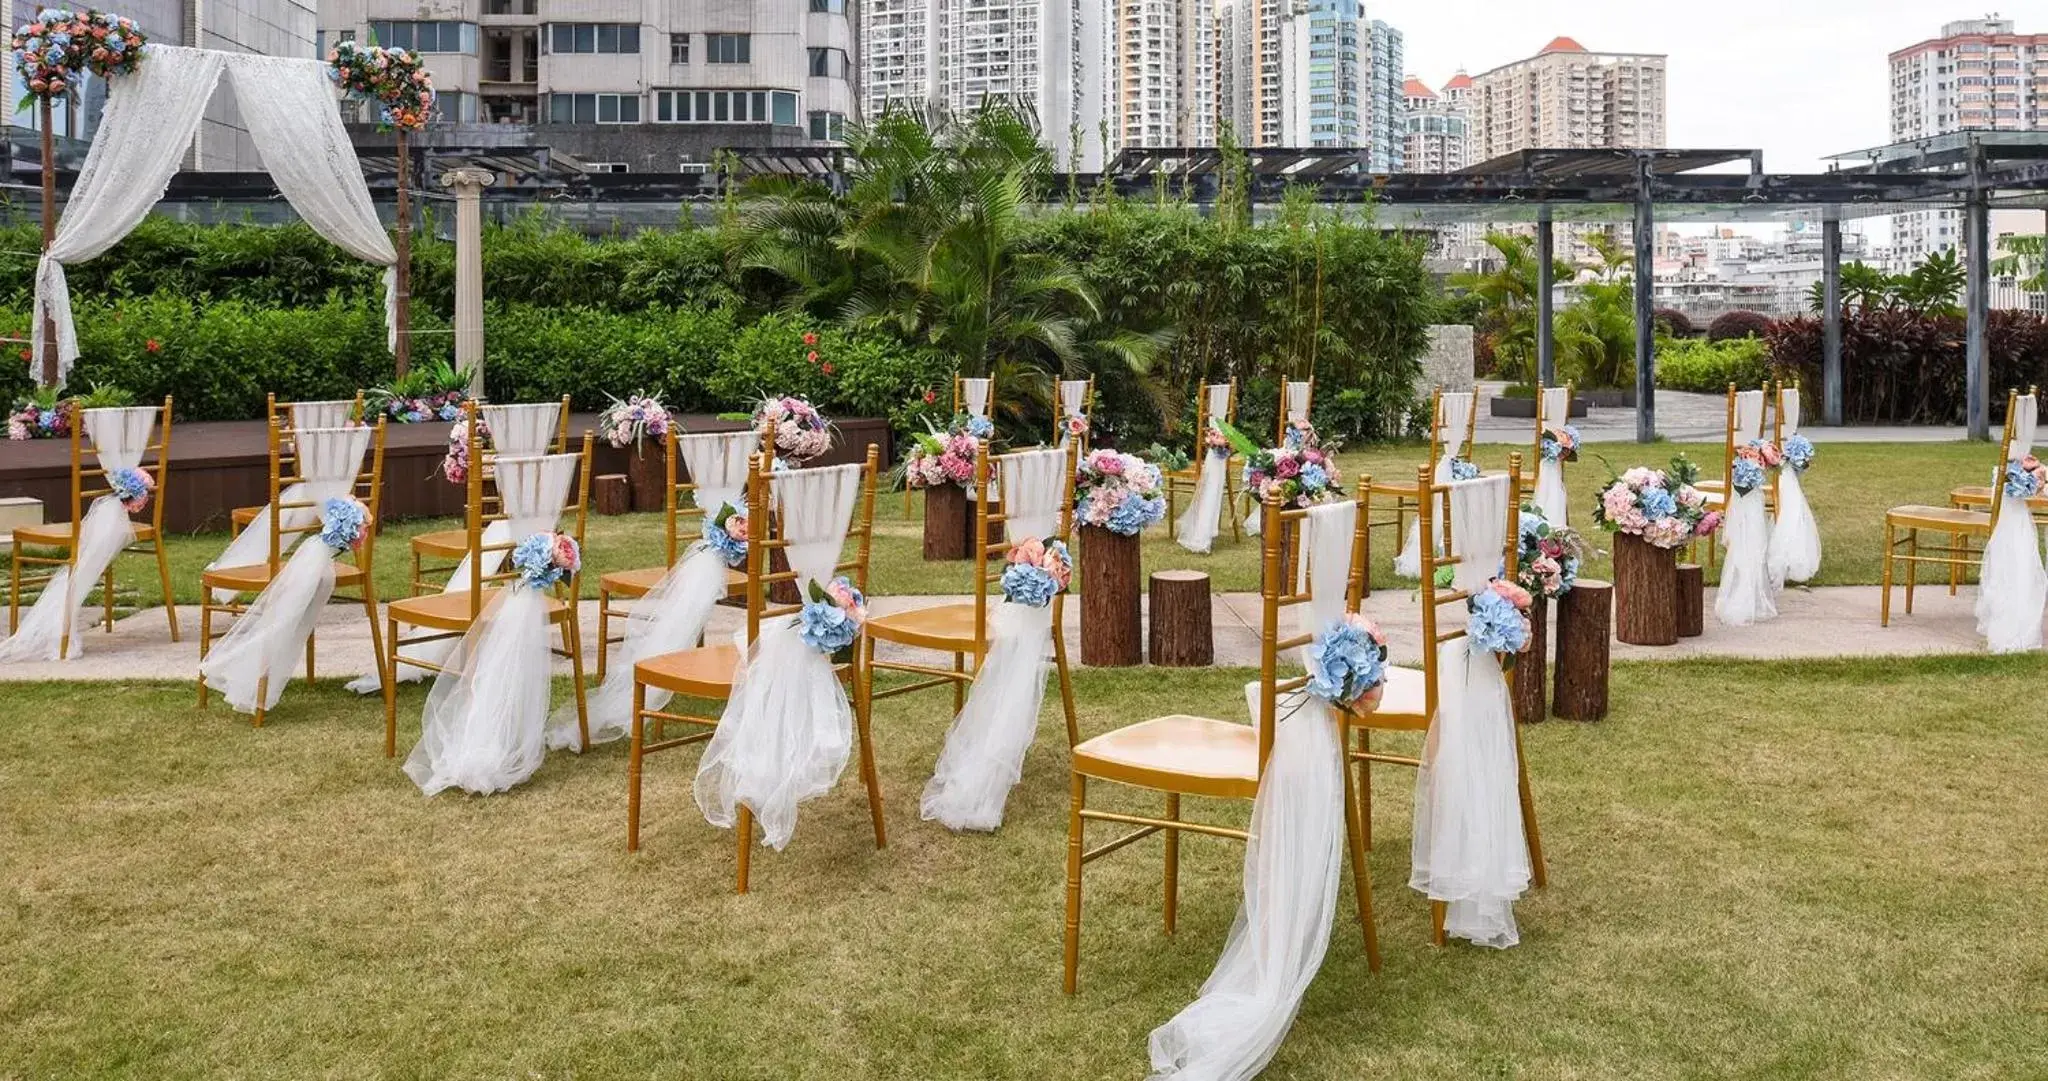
<point x="256" y="576"/>
<point x="1978" y="496"/>
<point x="242" y="516"/>
<point x="1404" y="704"/>
<point x="639" y="583"/>
<point x="450" y="611"/>
<point x="944" y="626"/>
<point x="705" y="672"/>
<point x="446" y="543"/>
<point x="58" y="534"/>
<point x="1947" y="519"/>
<point x="1179" y="753"/>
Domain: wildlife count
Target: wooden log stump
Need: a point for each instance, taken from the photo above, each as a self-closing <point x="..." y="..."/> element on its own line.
<point x="948" y="523"/>
<point x="1182" y="631"/>
<point x="1645" y="592"/>
<point x="1583" y="618"/>
<point x="1112" y="627"/>
<point x="1290" y="549"/>
<point x="647" y="475"/>
<point x="996" y="532"/>
<point x="1692" y="601"/>
<point x="611" y="493"/>
<point x="1530" y="675"/>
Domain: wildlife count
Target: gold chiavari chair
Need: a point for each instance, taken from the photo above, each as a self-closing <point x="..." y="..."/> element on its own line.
<point x="1404" y="497"/>
<point x="350" y="574"/>
<point x="1411" y="697"/>
<point x="961" y="629"/>
<point x="1960" y="525"/>
<point x="1190" y="479"/>
<point x="706" y="674"/>
<point x="449" y="545"/>
<point x="1059" y="409"/>
<point x="335" y="413"/>
<point x="1308" y="401"/>
<point x="1978" y="496"/>
<point x="679" y="503"/>
<point x="960" y="403"/>
<point x="1536" y="444"/>
<point x="1717" y="490"/>
<point x="1180" y="755"/>
<point x="62" y="537"/>
<point x="442" y="616"/>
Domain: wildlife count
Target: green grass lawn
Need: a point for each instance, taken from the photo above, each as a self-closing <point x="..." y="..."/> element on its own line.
<point x="1850" y="487"/>
<point x="1812" y="870"/>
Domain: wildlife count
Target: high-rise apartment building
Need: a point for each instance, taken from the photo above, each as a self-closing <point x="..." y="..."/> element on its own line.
<point x="629" y="87"/>
<point x="1312" y="73"/>
<point x="1162" y="70"/>
<point x="1568" y="97"/>
<point x="1978" y="75"/>
<point x="1438" y="136"/>
<point x="1048" y="54"/>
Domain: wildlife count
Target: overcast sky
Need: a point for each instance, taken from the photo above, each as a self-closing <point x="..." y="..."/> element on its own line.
<point x="1800" y="79"/>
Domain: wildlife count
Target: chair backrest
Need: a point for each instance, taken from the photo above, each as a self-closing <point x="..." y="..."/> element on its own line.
<point x="1282" y="531"/>
<point x="1435" y="513"/>
<point x="1444" y="421"/>
<point x="686" y="493"/>
<point x="765" y="535"/>
<point x="975" y="395"/>
<point x="1071" y="396"/>
<point x="2022" y="414"/>
<point x="326" y="413"/>
<point x="1553" y="410"/>
<point x="1735" y="433"/>
<point x="1217" y="401"/>
<point x="89" y="475"/>
<point x="479" y="514"/>
<point x="1785" y="403"/>
<point x="1296" y="398"/>
<point x="1000" y="476"/>
<point x="288" y="466"/>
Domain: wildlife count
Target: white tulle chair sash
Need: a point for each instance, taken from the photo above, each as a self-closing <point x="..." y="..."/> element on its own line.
<point x="1555" y="404"/>
<point x="325" y="414"/>
<point x="522" y="430"/>
<point x="1454" y="414"/>
<point x="974" y="396"/>
<point x="983" y="755"/>
<point x="1292" y="865"/>
<point x="1744" y="596"/>
<point x="1297" y="395"/>
<point x="1073" y="395"/>
<point x="717" y="462"/>
<point x="787" y="729"/>
<point x="2012" y="588"/>
<point x="1795" y="533"/>
<point x="1469" y="849"/>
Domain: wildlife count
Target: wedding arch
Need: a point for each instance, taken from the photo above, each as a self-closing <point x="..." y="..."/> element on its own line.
<point x="152" y="115"/>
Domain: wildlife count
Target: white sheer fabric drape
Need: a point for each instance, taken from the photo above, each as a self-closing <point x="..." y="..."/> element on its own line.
<point x="788" y="728"/>
<point x="983" y="756"/>
<point x="1292" y="863"/>
<point x="1073" y="400"/>
<point x="1450" y="436"/>
<point x="151" y="117"/>
<point x="50" y="630"/>
<point x="254" y="659"/>
<point x="329" y="414"/>
<point x="1297" y="399"/>
<point x="1469" y="849"/>
<point x="2012" y="589"/>
<point x="1555" y="405"/>
<point x="289" y="105"/>
<point x="1746" y="584"/>
<point x="974" y="396"/>
<point x="484" y="728"/>
<point x="671" y="616"/>
<point x="1197" y="528"/>
<point x="1795" y="533"/>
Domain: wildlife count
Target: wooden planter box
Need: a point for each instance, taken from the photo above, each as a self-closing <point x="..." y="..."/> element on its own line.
<point x="1112" y="622"/>
<point x="1645" y="592"/>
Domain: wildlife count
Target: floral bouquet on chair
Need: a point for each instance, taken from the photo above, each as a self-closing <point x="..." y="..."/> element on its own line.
<point x="801" y="432"/>
<point x="626" y="423"/>
<point x="833" y="617"/>
<point x="1076" y="426"/>
<point x="1498" y="620"/>
<point x="545" y="560"/>
<point x="1657" y="506"/>
<point x="1561" y="444"/>
<point x="1035" y="572"/>
<point x="1550" y="556"/>
<point x="2026" y="478"/>
<point x="132" y="488"/>
<point x="1753" y="464"/>
<point x="1118" y="492"/>
<point x="1797" y="452"/>
<point x="344" y="521"/>
<point x="455" y="463"/>
<point x="1302" y="475"/>
<point x="727" y="535"/>
<point x="1348" y="665"/>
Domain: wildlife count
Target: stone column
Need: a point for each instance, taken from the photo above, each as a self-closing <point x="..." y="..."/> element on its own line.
<point x="469" y="185"/>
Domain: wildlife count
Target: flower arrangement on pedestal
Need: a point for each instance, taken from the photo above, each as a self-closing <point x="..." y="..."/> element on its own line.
<point x="1303" y="475"/>
<point x="1118" y="492"/>
<point x="45" y="414"/>
<point x="1550" y="556"/>
<point x="1662" y="508"/>
<point x="1347" y="664"/>
<point x="396" y="79"/>
<point x="947" y="457"/>
<point x="801" y="432"/>
<point x="51" y="50"/>
<point x="435" y="392"/>
<point x="641" y="416"/>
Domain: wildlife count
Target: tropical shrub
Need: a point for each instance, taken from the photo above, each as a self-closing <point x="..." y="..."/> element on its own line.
<point x="1707" y="367"/>
<point x="1738" y="325"/>
<point x="1906" y="367"/>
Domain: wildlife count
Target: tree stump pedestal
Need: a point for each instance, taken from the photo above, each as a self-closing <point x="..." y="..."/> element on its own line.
<point x="1530" y="672"/>
<point x="1112" y="624"/>
<point x="948" y="523"/>
<point x="611" y="493"/>
<point x="1182" y="628"/>
<point x="1645" y="592"/>
<point x="1583" y="651"/>
<point x="647" y="475"/>
<point x="1692" y="601"/>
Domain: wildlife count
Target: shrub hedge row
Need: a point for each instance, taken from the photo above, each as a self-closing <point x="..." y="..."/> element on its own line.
<point x="1906" y="367"/>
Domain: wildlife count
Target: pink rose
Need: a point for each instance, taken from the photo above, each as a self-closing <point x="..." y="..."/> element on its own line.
<point x="565" y="555"/>
<point x="1030" y="550"/>
<point x="1286" y="467"/>
<point x="1689" y="496"/>
<point x="1707" y="524"/>
<point x="1515" y="594"/>
<point x="736" y="527"/>
<point x="1060" y="570"/>
<point x="1107" y="462"/>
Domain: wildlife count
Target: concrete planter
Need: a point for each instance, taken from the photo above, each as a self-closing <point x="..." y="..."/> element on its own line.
<point x="1526" y="407"/>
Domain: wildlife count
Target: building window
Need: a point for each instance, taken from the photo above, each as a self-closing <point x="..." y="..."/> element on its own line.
<point x="434" y="37"/>
<point x="827" y="126"/>
<point x="606" y="167"/>
<point x="508" y="7"/>
<point x="829" y="7"/>
<point x="679" y="48"/>
<point x="594" y="108"/>
<point x="725" y="107"/>
<point x="828" y="63"/>
<point x="611" y="38"/>
<point x="728" y="48"/>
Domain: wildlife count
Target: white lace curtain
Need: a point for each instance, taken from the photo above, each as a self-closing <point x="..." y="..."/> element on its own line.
<point x="150" y="120"/>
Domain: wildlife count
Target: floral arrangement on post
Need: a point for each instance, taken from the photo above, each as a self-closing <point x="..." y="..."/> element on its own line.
<point x="41" y="415"/>
<point x="131" y="487"/>
<point x="455" y="464"/>
<point x="1498" y="620"/>
<point x="543" y="560"/>
<point x="424" y="394"/>
<point x="833" y="617"/>
<point x="727" y="534"/>
<point x="1347" y="665"/>
<point x="396" y="79"/>
<point x="1550" y="556"/>
<point x="51" y="50"/>
<point x="1753" y="463"/>
<point x="1560" y="444"/>
<point x="343" y="522"/>
<point x="1659" y="507"/>
<point x="947" y="457"/>
<point x="641" y="416"/>
<point x="1118" y="492"/>
<point x="1035" y="572"/>
<point x="1304" y="475"/>
<point x="2026" y="478"/>
<point x="801" y="432"/>
<point x="1797" y="452"/>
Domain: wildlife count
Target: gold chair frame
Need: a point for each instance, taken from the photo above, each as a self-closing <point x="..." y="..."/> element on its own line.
<point x="1190" y="479"/>
<point x="1405" y="498"/>
<point x="283" y="413"/>
<point x="1059" y="419"/>
<point x="149" y="538"/>
<point x="1959" y="524"/>
<point x="449" y="545"/>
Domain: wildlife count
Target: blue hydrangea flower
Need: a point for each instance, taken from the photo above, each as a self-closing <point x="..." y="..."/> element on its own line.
<point x="1495" y="624"/>
<point x="1658" y="503"/>
<point x="1314" y="477"/>
<point x="1134" y="514"/>
<point x="980" y="427"/>
<point x="1029" y="585"/>
<point x="1798" y="452"/>
<point x="1464" y="470"/>
<point x="534" y="559"/>
<point x="2019" y="484"/>
<point x="1344" y="662"/>
<point x="1746" y="475"/>
<point x="450" y="411"/>
<point x="826" y="627"/>
<point x="130" y="485"/>
<point x="733" y="551"/>
<point x="341" y="523"/>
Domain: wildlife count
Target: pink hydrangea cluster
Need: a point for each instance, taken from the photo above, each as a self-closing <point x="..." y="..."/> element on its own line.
<point x="641" y="416"/>
<point x="1118" y="492"/>
<point x="801" y="432"/>
<point x="1648" y="503"/>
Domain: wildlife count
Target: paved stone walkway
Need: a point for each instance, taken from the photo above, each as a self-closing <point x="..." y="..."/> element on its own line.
<point x="1833" y="621"/>
<point x="1694" y="418"/>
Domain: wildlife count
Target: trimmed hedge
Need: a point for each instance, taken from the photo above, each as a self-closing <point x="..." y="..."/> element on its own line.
<point x="1708" y="367"/>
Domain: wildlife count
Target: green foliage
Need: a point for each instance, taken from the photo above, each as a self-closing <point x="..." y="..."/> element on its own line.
<point x="1708" y="367"/>
<point x="1735" y="325"/>
<point x="1932" y="288"/>
<point x="2023" y="261"/>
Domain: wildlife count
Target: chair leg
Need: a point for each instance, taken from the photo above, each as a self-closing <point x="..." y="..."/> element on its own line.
<point x="391" y="690"/>
<point x="1361" y="875"/>
<point x="572" y="639"/>
<point x="604" y="630"/>
<point x="205" y="638"/>
<point x="1230" y="501"/>
<point x="1059" y="660"/>
<point x="13" y="589"/>
<point x="959" y="683"/>
<point x="262" y="696"/>
<point x="633" y="759"/>
<point x="163" y="573"/>
<point x="1172" y="861"/>
<point x="1912" y="566"/>
<point x="1073" y="924"/>
<point x="1955" y="566"/>
<point x="376" y="642"/>
<point x="870" y="778"/>
<point x="107" y="600"/>
<point x="1436" y="922"/>
<point x="310" y="639"/>
<point x="745" y="833"/>
<point x="1884" y="605"/>
<point x="1365" y="789"/>
<point x="1538" y="875"/>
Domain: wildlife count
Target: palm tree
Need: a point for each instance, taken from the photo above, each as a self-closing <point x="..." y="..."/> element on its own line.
<point x="2023" y="260"/>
